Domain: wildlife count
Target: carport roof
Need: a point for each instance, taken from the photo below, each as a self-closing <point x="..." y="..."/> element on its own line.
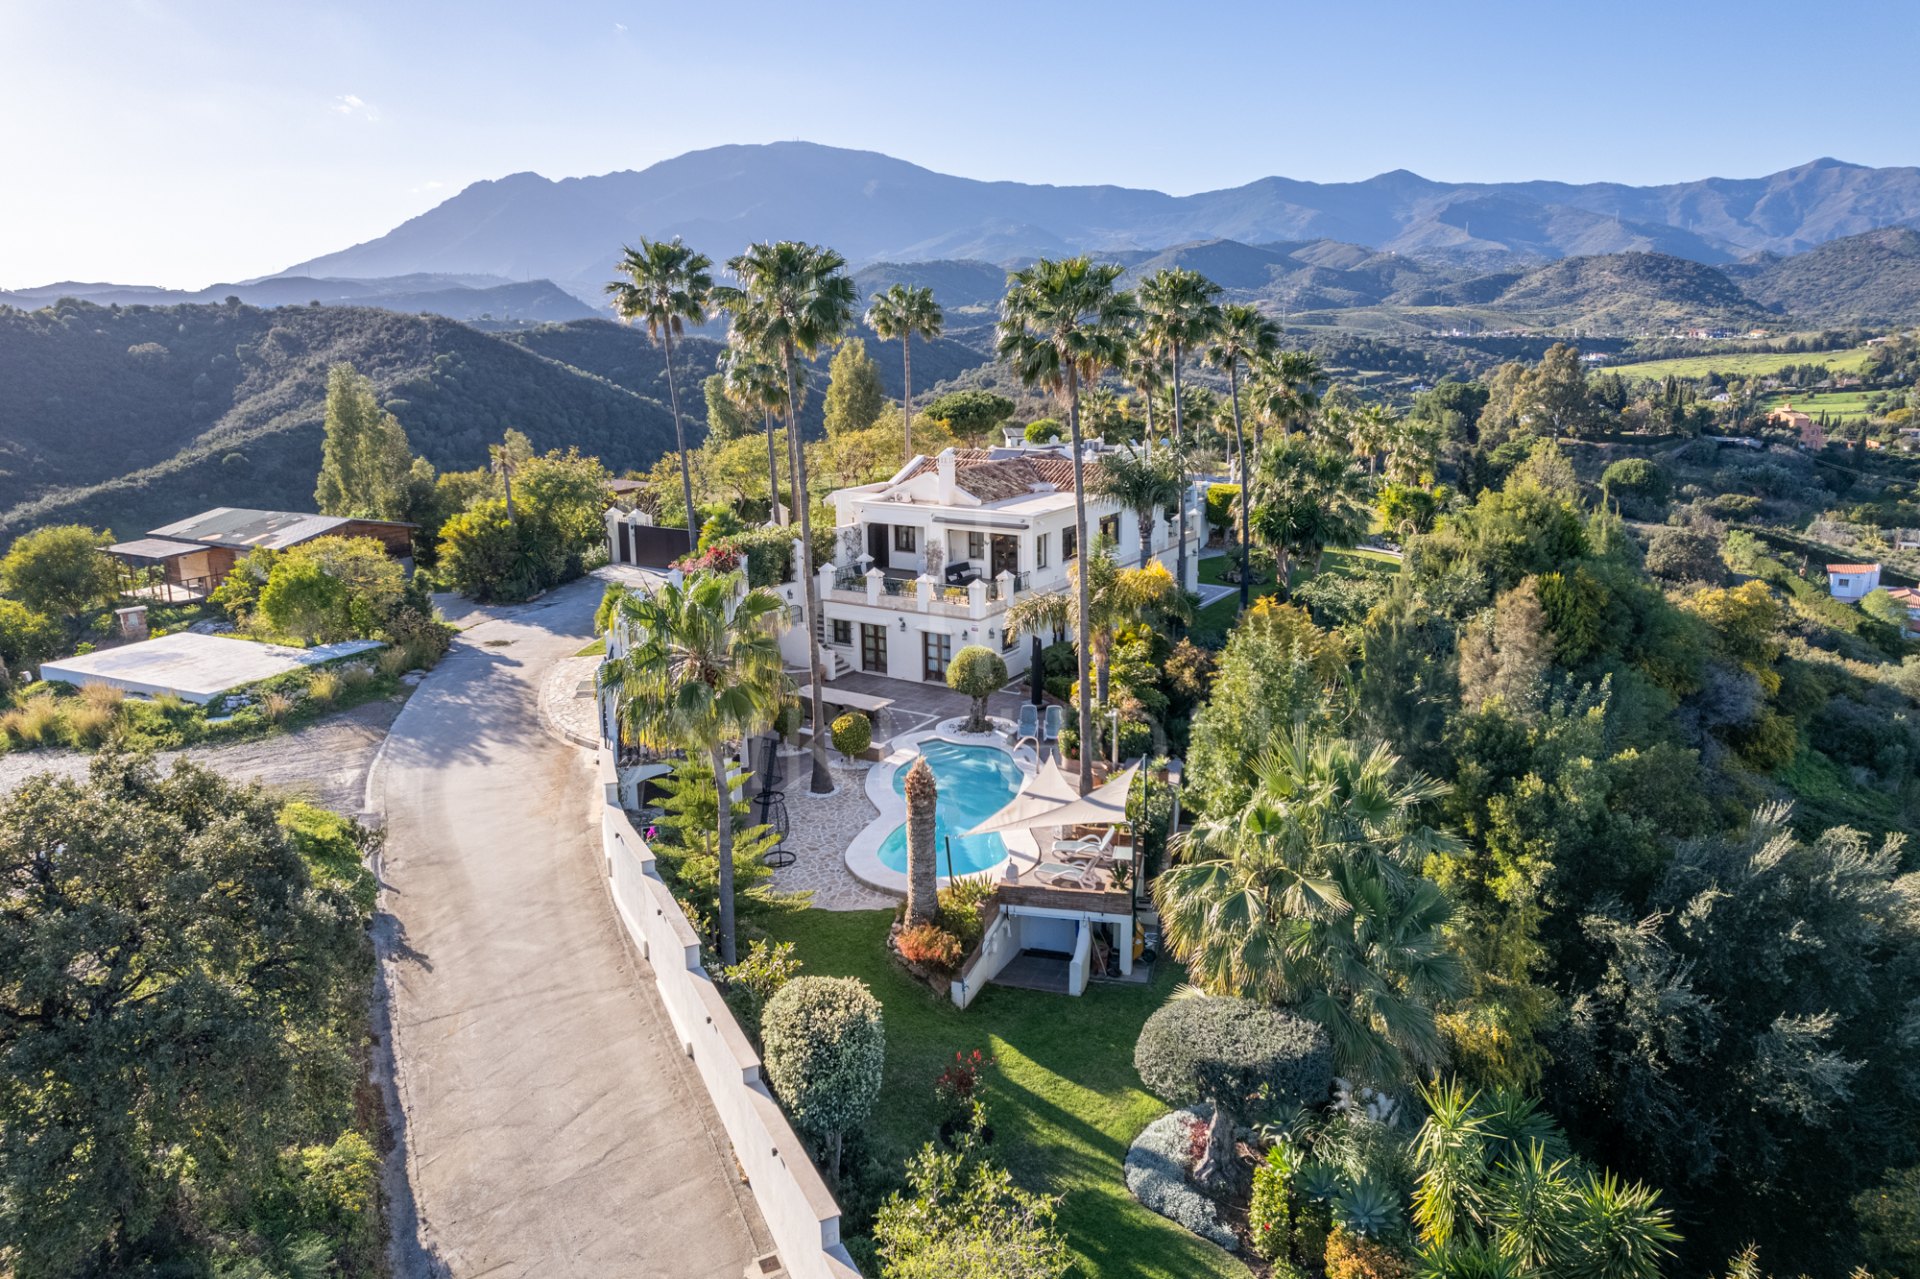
<point x="242" y="528"/>
<point x="154" y="548"/>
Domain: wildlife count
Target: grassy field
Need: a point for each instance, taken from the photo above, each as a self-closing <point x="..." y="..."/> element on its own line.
<point x="1836" y="404"/>
<point x="1748" y="364"/>
<point x="1064" y="1100"/>
<point x="1219" y="615"/>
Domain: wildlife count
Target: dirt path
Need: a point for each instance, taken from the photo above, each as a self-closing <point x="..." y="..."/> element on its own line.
<point x="326" y="762"/>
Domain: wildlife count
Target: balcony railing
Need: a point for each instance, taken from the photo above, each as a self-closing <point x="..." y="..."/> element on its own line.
<point x="1007" y="588"/>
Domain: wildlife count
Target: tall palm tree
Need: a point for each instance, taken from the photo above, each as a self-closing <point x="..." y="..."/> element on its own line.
<point x="754" y="380"/>
<point x="1311" y="497"/>
<point x="1145" y="372"/>
<point x="795" y="299"/>
<point x="906" y="312"/>
<point x="1060" y="326"/>
<point x="1143" y="484"/>
<point x="1286" y="391"/>
<point x="1120" y="597"/>
<point x="667" y="287"/>
<point x="1244" y="336"/>
<point x="1179" y="310"/>
<point x="1311" y="896"/>
<point x="702" y="672"/>
<point x="1370" y="431"/>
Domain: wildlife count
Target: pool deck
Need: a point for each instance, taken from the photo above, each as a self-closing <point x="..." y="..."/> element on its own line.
<point x="863" y="854"/>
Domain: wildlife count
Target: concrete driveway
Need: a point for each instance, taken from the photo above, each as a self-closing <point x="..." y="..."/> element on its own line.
<point x="548" y="1123"/>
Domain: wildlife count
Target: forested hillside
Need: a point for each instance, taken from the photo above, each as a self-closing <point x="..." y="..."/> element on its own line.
<point x="127" y="417"/>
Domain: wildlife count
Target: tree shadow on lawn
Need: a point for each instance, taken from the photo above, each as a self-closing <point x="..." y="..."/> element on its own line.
<point x="1063" y="1099"/>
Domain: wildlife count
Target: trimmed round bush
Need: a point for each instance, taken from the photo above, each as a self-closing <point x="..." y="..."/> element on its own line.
<point x="1044" y="431"/>
<point x="1224" y="1050"/>
<point x="976" y="671"/>
<point x="825" y="1044"/>
<point x="852" y="734"/>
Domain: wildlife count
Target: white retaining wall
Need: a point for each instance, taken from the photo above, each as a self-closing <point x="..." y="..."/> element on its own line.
<point x="800" y="1213"/>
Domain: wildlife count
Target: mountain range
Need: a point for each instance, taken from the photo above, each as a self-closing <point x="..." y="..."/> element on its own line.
<point x="873" y="208"/>
<point x="474" y="298"/>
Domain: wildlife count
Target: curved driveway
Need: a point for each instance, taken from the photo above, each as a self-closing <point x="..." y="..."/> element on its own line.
<point x="548" y="1123"/>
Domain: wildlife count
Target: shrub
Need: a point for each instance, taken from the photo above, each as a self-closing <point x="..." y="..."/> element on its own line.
<point x="930" y="944"/>
<point x="354" y="677"/>
<point x="826" y="1044"/>
<point x="957" y="1084"/>
<point x="394" y="661"/>
<point x="758" y="978"/>
<point x="962" y="903"/>
<point x="1044" y="430"/>
<point x="27" y="638"/>
<point x="976" y="671"/>
<point x="1349" y="1256"/>
<point x="1223" y="507"/>
<point x="1635" y="479"/>
<point x="852" y="734"/>
<point x="276" y="706"/>
<point x="1267" y="1214"/>
<point x="60" y="570"/>
<point x="106" y="696"/>
<point x="1228" y="1051"/>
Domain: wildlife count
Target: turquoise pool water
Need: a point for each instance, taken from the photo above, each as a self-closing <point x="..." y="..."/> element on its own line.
<point x="975" y="783"/>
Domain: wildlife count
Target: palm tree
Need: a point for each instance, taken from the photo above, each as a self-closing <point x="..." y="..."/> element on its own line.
<point x="1143" y="484"/>
<point x="1311" y="896"/>
<point x="667" y="287"/>
<point x="1060" y="326"/>
<point x="923" y="877"/>
<point x="795" y="299"/>
<point x="1370" y="431"/>
<point x="754" y="381"/>
<point x="1311" y="497"/>
<point x="1286" y="391"/>
<point x="906" y="312"/>
<point x="1146" y="373"/>
<point x="1121" y="597"/>
<point x="1244" y="336"/>
<point x="1179" y="310"/>
<point x="503" y="460"/>
<point x="702" y="671"/>
<point x="1035" y="614"/>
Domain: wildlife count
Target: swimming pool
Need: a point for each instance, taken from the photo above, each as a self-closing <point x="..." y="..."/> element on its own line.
<point x="975" y="782"/>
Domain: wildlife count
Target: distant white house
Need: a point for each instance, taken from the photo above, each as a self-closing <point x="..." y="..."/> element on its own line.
<point x="1851" y="582"/>
<point x="1909" y="599"/>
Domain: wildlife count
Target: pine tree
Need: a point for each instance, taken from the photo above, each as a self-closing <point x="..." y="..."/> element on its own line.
<point x="854" y="394"/>
<point x="365" y="463"/>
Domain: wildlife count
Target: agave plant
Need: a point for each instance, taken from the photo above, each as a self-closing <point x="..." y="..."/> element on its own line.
<point x="1317" y="1181"/>
<point x="1367" y="1207"/>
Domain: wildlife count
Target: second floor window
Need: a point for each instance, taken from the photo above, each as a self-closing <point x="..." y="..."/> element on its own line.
<point x="906" y="538"/>
<point x="1040" y="550"/>
<point x="1110" y="529"/>
<point x="1069" y="543"/>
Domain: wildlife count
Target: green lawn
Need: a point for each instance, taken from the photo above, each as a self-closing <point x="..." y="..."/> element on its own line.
<point x="1219" y="615"/>
<point x="1837" y="404"/>
<point x="1747" y="364"/>
<point x="596" y="649"/>
<point x="1064" y="1099"/>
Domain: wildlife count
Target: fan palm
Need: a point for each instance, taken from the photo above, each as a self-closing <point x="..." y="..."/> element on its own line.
<point x="1286" y="391"/>
<point x="1119" y="597"/>
<point x="667" y="287"/>
<point x="906" y="312"/>
<point x="1143" y="483"/>
<point x="1145" y="372"/>
<point x="795" y="299"/>
<point x="1243" y="337"/>
<point x="1179" y="309"/>
<point x="1311" y="896"/>
<point x="702" y="671"/>
<point x="754" y="380"/>
<point x="1060" y="327"/>
<point x="1310" y="497"/>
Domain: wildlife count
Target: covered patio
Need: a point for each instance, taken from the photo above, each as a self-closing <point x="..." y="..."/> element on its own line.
<point x="898" y="707"/>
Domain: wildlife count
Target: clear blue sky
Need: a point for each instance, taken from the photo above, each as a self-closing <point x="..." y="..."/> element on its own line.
<point x="185" y="142"/>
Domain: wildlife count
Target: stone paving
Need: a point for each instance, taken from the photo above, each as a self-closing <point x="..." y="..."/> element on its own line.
<point x="819" y="830"/>
<point x="566" y="711"/>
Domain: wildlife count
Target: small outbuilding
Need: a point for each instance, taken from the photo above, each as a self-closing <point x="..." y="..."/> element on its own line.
<point x="197" y="668"/>
<point x="195" y="555"/>
<point x="1852" y="582"/>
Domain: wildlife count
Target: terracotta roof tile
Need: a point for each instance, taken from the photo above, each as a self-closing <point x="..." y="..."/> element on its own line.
<point x="994" y="479"/>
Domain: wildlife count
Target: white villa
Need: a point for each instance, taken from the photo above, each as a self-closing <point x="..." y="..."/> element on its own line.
<point x="928" y="561"/>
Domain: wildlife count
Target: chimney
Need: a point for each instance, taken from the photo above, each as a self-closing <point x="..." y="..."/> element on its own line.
<point x="947" y="481"/>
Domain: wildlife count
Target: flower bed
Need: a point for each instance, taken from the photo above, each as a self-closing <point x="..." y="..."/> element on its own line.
<point x="1157" y="1165"/>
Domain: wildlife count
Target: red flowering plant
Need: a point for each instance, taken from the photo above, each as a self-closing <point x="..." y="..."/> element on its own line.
<point x="957" y="1085"/>
<point x="718" y="558"/>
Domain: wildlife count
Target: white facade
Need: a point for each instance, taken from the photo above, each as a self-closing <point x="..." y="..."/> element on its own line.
<point x="1851" y="582"/>
<point x="926" y="563"/>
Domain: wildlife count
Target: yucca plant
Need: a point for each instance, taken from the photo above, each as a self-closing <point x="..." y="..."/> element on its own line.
<point x="1451" y="1153"/>
<point x="1530" y="1208"/>
<point x="1468" y="1261"/>
<point x="1618" y="1232"/>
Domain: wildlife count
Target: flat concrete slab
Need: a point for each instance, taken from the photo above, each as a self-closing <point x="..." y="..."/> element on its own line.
<point x="196" y="667"/>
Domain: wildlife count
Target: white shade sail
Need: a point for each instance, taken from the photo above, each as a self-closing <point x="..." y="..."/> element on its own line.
<point x="1042" y="794"/>
<point x="1104" y="806"/>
